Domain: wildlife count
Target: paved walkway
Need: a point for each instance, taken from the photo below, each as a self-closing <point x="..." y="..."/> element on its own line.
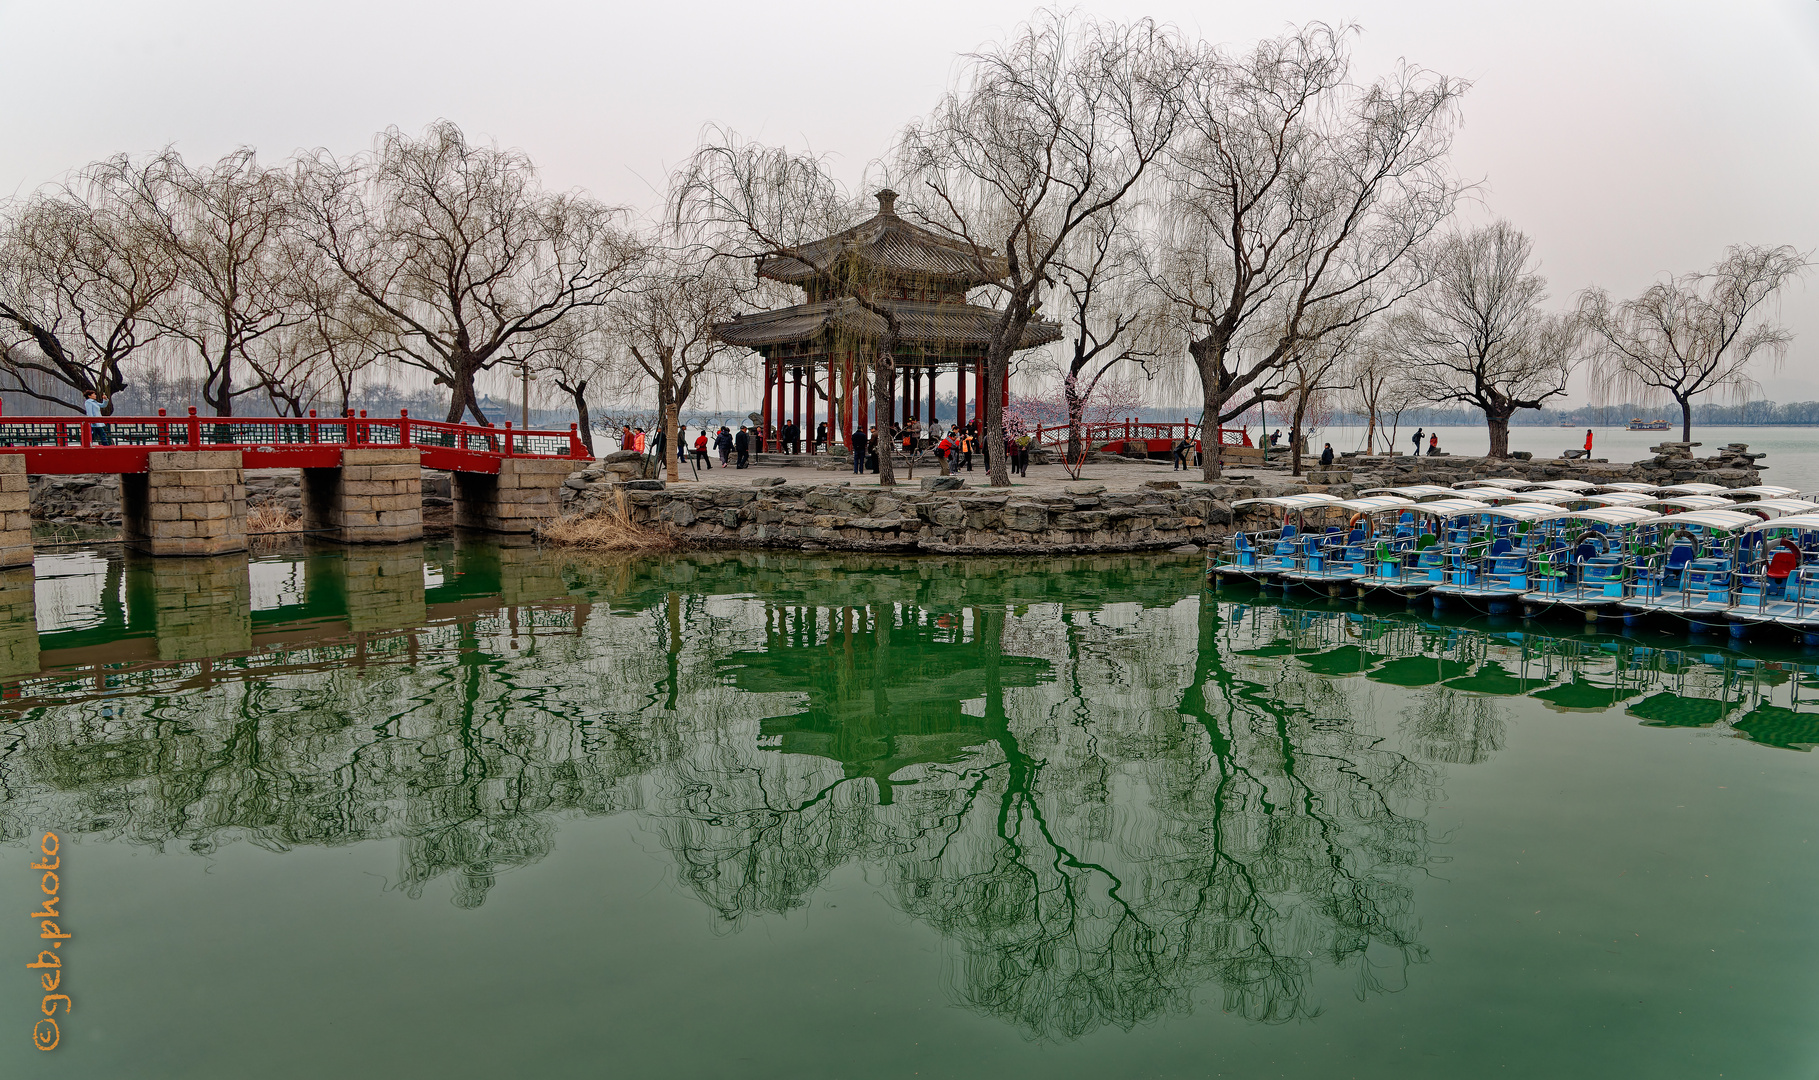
<point x="1116" y="476"/>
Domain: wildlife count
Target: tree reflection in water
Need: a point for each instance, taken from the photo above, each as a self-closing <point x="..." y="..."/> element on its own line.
<point x="1110" y="793"/>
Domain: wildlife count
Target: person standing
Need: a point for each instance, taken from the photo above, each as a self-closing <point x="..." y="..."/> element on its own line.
<point x="821" y="436"/>
<point x="792" y="438"/>
<point x="701" y="457"/>
<point x="657" y="447"/>
<point x="872" y="448"/>
<point x="723" y="442"/>
<point x="967" y="442"/>
<point x="625" y="438"/>
<point x="742" y="447"/>
<point x="1418" y="434"/>
<point x="1182" y="446"/>
<point x="93" y="405"/>
<point x="1588" y="442"/>
<point x="858" y="451"/>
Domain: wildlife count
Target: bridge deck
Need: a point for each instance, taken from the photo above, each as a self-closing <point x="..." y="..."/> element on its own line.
<point x="123" y="444"/>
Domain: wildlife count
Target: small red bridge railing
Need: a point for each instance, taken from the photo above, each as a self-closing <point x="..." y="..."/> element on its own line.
<point x="1158" y="437"/>
<point x="55" y="444"/>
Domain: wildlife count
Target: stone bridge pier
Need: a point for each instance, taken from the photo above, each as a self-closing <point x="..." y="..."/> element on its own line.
<point x="525" y="493"/>
<point x="15" y="513"/>
<point x="375" y="497"/>
<point x="187" y="502"/>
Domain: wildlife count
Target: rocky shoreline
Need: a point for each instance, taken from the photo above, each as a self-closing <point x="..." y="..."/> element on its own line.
<point x="946" y="515"/>
<point x="941" y="517"/>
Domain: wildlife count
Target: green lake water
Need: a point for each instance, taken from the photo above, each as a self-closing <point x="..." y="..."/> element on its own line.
<point x="469" y="810"/>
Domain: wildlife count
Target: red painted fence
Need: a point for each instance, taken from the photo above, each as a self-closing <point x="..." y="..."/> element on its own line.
<point x="1157" y="438"/>
<point x="121" y="444"/>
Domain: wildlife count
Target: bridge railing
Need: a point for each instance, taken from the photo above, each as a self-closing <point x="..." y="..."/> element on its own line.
<point x="1133" y="430"/>
<point x="230" y="432"/>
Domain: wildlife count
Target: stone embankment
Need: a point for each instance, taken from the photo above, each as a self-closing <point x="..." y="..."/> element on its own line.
<point x="941" y="516"/>
<point x="1673" y="463"/>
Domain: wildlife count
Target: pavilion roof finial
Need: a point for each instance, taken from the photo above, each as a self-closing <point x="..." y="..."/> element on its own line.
<point x="887" y="202"/>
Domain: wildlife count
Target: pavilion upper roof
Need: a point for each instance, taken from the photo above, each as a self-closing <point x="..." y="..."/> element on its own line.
<point x="923" y="324"/>
<point x="895" y="250"/>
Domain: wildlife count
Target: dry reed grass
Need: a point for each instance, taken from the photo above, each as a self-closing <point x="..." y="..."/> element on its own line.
<point x="273" y="519"/>
<point x="612" y="529"/>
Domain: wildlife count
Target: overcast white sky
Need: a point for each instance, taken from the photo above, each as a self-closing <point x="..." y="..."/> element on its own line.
<point x="1630" y="139"/>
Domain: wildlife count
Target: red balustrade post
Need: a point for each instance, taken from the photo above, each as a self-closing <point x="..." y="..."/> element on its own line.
<point x="404" y="427"/>
<point x="195" y="429"/>
<point x="575" y="449"/>
<point x="315" y="428"/>
<point x="88" y="433"/>
<point x="508" y="439"/>
<point x="164" y="431"/>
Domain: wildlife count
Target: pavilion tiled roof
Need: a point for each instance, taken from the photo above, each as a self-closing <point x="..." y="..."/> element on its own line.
<point x="921" y="323"/>
<point x="896" y="248"/>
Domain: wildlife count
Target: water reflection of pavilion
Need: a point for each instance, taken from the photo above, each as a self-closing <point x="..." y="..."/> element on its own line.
<point x="882" y="695"/>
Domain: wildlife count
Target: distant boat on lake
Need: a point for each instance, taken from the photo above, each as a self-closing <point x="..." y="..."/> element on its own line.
<point x="1648" y="425"/>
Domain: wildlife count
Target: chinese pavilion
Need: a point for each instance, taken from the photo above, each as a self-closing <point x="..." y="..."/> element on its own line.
<point x="822" y="348"/>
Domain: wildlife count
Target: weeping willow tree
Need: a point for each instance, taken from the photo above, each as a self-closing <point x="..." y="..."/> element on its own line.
<point x="1695" y="334"/>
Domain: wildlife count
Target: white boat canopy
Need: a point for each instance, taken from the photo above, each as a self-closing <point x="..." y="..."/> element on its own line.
<point x="1308" y="501"/>
<point x="1451" y="507"/>
<point x="1792" y="521"/>
<point x="1518" y="512"/>
<point x="1499" y="495"/>
<point x="1690" y="489"/>
<point x="1766" y="491"/>
<point x="1568" y="485"/>
<point x="1645" y="489"/>
<point x="1615" y="515"/>
<point x="1377" y="503"/>
<point x="1413" y="491"/>
<point x="1622" y="498"/>
<point x="1778" y="507"/>
<point x="1716" y="520"/>
<point x="1698" y="502"/>
<point x="1507" y="483"/>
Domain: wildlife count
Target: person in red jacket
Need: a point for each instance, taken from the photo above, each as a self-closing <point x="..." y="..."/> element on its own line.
<point x="1588" y="442"/>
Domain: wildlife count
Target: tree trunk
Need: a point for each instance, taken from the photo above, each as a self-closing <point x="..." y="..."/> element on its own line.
<point x="670" y="418"/>
<point x="884" y="391"/>
<point x="584" y="425"/>
<point x="1076" y="409"/>
<point x="1297" y="440"/>
<point x="1686" y="418"/>
<point x="1213" y="393"/>
<point x="1500" y="434"/>
<point x="1212" y="403"/>
<point x="997" y="367"/>
<point x="218" y="384"/>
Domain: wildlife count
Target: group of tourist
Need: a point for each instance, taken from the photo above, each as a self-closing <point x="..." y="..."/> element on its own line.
<point x="954" y="446"/>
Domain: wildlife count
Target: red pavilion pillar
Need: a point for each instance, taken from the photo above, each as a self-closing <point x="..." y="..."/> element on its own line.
<point x="764" y="407"/>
